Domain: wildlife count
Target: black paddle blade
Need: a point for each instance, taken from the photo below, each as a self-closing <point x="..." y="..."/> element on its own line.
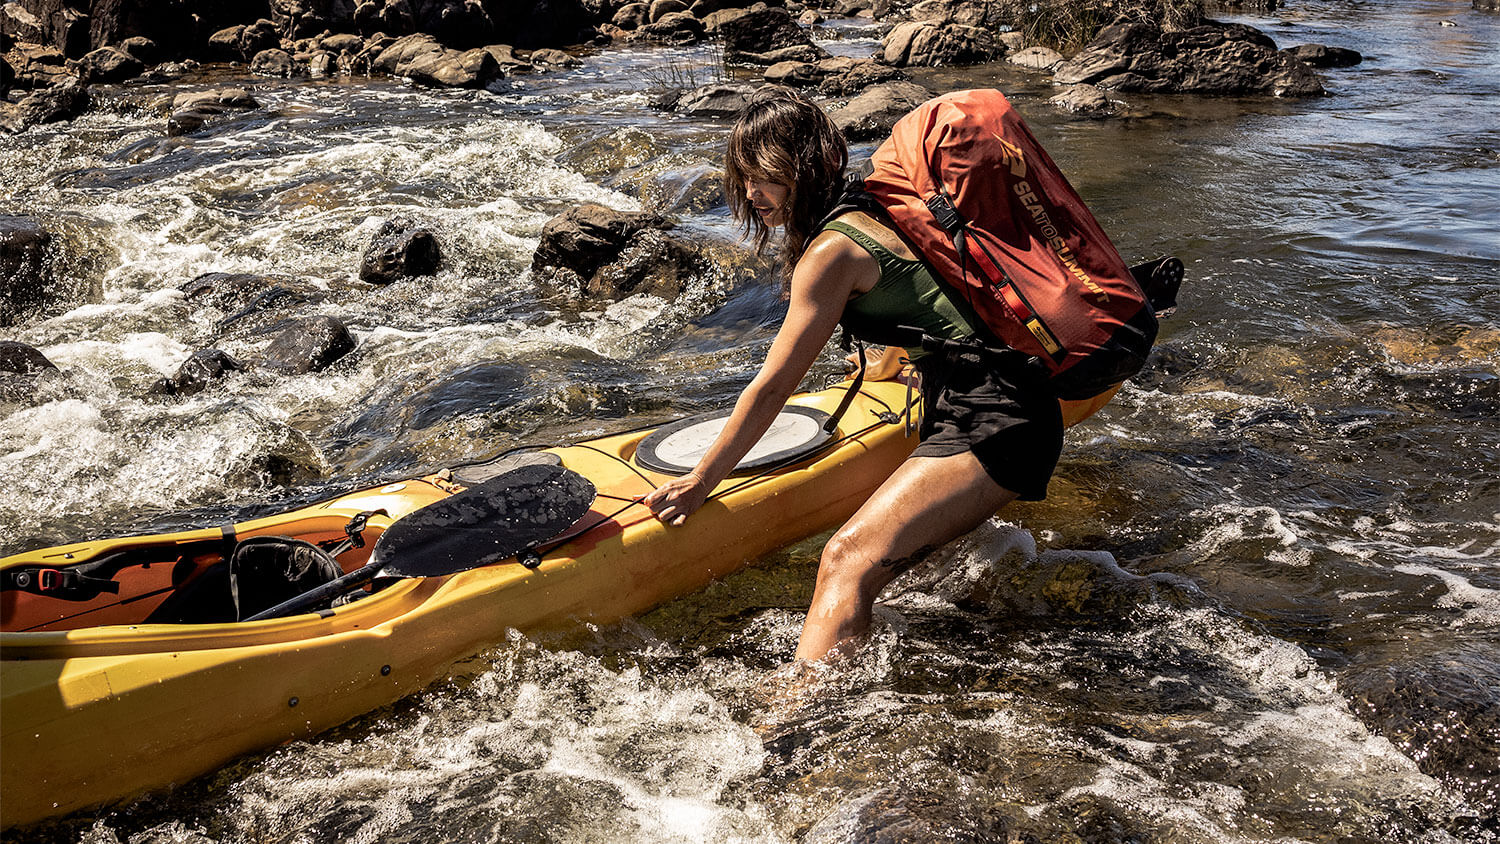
<point x="486" y="523"/>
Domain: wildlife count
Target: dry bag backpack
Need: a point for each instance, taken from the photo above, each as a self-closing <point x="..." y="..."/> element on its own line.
<point x="965" y="181"/>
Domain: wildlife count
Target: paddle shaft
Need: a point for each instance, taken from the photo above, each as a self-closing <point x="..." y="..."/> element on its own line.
<point x="332" y="589"/>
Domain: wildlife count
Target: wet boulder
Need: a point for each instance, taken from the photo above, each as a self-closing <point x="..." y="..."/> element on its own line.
<point x="928" y="44"/>
<point x="1214" y="58"/>
<point x="49" y="105"/>
<point x="306" y="344"/>
<point x="632" y="16"/>
<point x="142" y="49"/>
<point x="871" y="115"/>
<point x="199" y="371"/>
<point x="726" y="100"/>
<point x="22" y="359"/>
<point x="552" y="58"/>
<point x="21" y="368"/>
<point x="1083" y="99"/>
<point x="226" y="291"/>
<point x="109" y="64"/>
<point x="766" y="36"/>
<point x="191" y="111"/>
<point x="424" y="60"/>
<point x="400" y="249"/>
<point x="343" y="42"/>
<point x="39" y="67"/>
<point x="661" y="8"/>
<point x="1320" y="55"/>
<point x="505" y="56"/>
<point x="599" y="252"/>
<point x="27" y="255"/>
<point x="1487" y="5"/>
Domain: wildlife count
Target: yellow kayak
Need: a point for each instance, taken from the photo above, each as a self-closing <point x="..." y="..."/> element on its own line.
<point x="99" y="702"/>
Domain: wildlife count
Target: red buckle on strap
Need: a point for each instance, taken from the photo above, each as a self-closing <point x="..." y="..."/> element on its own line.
<point x="48" y="579"/>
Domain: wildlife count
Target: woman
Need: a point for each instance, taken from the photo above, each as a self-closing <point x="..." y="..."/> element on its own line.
<point x="992" y="429"/>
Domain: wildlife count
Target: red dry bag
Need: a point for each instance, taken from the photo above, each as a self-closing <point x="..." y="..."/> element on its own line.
<point x="969" y="185"/>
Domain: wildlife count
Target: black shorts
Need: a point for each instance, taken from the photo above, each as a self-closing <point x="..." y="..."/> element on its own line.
<point x="999" y="406"/>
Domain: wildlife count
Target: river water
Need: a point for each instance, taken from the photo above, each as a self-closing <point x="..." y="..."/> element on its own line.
<point x="1262" y="603"/>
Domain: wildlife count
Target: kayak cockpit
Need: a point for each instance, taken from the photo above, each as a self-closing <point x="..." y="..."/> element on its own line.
<point x="211" y="576"/>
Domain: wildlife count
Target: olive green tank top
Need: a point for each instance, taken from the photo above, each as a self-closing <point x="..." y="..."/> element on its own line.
<point x="906" y="295"/>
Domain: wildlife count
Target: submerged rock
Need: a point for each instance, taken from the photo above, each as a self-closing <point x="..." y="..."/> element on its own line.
<point x="1319" y="55"/>
<point x="190" y="112"/>
<point x="1083" y="99"/>
<point x="400" y="249"/>
<point x="306" y="344"/>
<point x="600" y="252"/>
<point x="197" y="373"/>
<point x="1214" y="58"/>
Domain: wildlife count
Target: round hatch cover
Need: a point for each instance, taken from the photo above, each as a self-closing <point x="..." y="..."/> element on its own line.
<point x="676" y="448"/>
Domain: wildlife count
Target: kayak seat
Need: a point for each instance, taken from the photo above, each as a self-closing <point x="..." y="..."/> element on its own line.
<point x="263" y="572"/>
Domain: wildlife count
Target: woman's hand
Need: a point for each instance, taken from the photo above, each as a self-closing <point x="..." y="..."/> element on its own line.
<point x="881" y="364"/>
<point x="675" y="500"/>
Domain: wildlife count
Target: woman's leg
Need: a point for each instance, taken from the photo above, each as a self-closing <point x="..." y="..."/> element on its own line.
<point x="926" y="503"/>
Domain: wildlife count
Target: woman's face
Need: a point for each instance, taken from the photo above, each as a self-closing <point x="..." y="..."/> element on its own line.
<point x="768" y="199"/>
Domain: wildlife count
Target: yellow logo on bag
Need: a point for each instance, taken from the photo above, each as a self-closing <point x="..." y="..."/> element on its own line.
<point x="1011" y="155"/>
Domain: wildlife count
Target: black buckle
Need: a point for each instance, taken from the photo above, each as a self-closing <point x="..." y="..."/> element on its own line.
<point x="946" y="215"/>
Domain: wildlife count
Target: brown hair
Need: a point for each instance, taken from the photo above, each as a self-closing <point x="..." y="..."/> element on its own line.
<point x="783" y="137"/>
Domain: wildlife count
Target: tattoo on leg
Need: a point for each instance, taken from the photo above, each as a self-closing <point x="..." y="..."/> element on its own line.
<point x="902" y="565"/>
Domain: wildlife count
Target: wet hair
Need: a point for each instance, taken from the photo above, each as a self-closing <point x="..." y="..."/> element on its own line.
<point x="783" y="137"/>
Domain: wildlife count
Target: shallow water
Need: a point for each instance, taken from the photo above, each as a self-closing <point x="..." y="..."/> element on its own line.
<point x="1262" y="602"/>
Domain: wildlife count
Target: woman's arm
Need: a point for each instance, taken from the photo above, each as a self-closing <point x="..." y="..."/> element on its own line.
<point x="831" y="269"/>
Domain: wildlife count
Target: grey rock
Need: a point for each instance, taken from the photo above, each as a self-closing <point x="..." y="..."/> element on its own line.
<point x="725" y="100"/>
<point x="1036" y="58"/>
<point x="871" y="115"/>
<point x="632" y="16"/>
<point x="926" y="44"/>
<point x="400" y="249"/>
<point x="57" y="104"/>
<point x="599" y="252"/>
<point x="142" y="49"/>
<point x="766" y="36"/>
<point x="1083" y="99"/>
<point x="344" y="42"/>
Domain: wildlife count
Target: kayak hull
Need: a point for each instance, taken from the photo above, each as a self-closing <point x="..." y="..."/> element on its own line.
<point x="95" y="715"/>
